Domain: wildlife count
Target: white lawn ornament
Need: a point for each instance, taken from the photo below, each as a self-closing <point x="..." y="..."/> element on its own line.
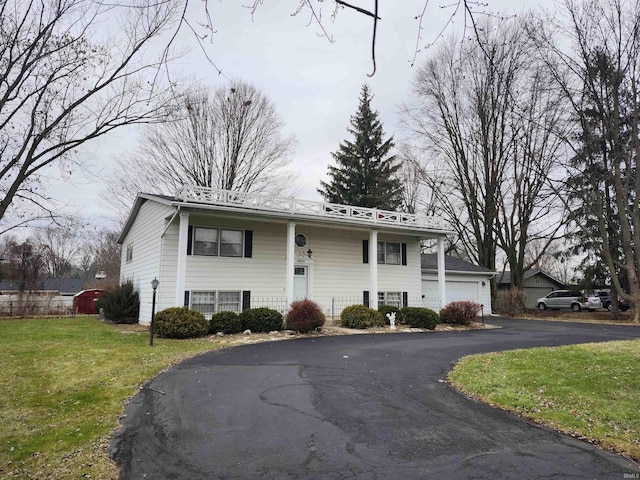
<point x="392" y="320"/>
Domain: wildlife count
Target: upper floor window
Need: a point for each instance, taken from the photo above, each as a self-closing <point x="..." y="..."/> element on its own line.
<point x="389" y="253"/>
<point x="217" y="242"/>
<point x="129" y="252"/>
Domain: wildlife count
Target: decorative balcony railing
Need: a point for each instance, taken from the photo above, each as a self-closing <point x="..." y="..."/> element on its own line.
<point x="294" y="206"/>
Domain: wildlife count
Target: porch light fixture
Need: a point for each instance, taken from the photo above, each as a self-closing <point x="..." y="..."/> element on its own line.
<point x="154" y="285"/>
<point x="309" y="253"/>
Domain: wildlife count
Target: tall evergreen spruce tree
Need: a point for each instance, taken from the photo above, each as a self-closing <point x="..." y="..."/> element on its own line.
<point x="364" y="174"/>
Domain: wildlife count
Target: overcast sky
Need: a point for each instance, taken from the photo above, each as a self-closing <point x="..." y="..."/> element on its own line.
<point x="313" y="83"/>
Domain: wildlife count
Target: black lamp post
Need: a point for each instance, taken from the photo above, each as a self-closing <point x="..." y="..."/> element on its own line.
<point x="154" y="285"/>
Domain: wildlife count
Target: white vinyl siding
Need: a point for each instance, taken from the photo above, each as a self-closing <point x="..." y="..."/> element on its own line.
<point x="144" y="264"/>
<point x="263" y="274"/>
<point x="338" y="271"/>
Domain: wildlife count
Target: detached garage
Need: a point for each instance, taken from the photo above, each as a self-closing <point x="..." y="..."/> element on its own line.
<point x="464" y="282"/>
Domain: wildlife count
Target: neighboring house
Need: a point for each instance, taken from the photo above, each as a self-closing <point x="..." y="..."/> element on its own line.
<point x="464" y="281"/>
<point x="216" y="250"/>
<point x="536" y="284"/>
<point x="50" y="296"/>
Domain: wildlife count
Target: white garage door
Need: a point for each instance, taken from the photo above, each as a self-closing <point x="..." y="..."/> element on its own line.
<point x="456" y="291"/>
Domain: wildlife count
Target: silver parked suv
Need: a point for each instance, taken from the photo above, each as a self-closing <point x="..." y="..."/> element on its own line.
<point x="572" y="299"/>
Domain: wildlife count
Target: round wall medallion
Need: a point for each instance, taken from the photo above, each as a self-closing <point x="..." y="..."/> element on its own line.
<point x="301" y="240"/>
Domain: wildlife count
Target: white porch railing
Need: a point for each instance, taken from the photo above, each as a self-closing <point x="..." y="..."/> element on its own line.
<point x="257" y="201"/>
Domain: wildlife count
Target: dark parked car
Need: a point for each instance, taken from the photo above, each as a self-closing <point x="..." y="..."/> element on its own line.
<point x="605" y="298"/>
<point x="572" y="299"/>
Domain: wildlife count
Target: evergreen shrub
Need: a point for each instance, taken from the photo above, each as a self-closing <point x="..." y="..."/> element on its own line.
<point x="225" y="322"/>
<point x="419" y="317"/>
<point x="122" y="304"/>
<point x="180" y="322"/>
<point x="360" y="317"/>
<point x="304" y="316"/>
<point x="261" y="320"/>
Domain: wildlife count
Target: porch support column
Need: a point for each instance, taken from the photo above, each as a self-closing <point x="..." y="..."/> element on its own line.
<point x="291" y="253"/>
<point x="373" y="269"/>
<point x="181" y="273"/>
<point x="441" y="279"/>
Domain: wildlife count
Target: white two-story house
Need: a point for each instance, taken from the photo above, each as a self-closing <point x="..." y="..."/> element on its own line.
<point x="216" y="250"/>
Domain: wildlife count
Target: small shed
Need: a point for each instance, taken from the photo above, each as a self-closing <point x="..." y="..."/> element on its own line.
<point x="84" y="302"/>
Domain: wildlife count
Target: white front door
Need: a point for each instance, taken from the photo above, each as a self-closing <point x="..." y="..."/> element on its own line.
<point x="299" y="283"/>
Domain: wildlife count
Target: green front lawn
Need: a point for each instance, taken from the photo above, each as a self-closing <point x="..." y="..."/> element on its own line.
<point x="591" y="391"/>
<point x="63" y="384"/>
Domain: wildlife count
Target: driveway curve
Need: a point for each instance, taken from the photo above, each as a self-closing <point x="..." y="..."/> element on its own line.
<point x="352" y="407"/>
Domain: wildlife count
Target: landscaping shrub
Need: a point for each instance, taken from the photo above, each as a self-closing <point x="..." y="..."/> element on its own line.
<point x="419" y="317"/>
<point x="460" y="313"/>
<point x="304" y="316"/>
<point x="384" y="309"/>
<point x="122" y="304"/>
<point x="225" y="322"/>
<point x="361" y="316"/>
<point x="261" y="320"/>
<point x="511" y="301"/>
<point x="180" y="322"/>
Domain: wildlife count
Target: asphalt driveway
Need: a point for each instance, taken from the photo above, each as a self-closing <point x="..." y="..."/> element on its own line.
<point x="359" y="406"/>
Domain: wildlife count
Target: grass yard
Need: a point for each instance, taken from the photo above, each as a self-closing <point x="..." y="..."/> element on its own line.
<point x="63" y="384"/>
<point x="590" y="391"/>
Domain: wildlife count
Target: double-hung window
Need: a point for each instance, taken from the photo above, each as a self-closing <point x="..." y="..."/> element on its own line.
<point x="203" y="302"/>
<point x="229" y="302"/>
<point x="390" y="298"/>
<point x="389" y="253"/>
<point x="212" y="302"/>
<point x="217" y="242"/>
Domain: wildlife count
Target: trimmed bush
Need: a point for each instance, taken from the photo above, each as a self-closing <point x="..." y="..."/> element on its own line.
<point x="225" y="322"/>
<point x="261" y="320"/>
<point x="122" y="304"/>
<point x="419" y="317"/>
<point x="304" y="316"/>
<point x="460" y="313"/>
<point x="180" y="322"/>
<point x="361" y="317"/>
<point x="511" y="301"/>
<point x="384" y="309"/>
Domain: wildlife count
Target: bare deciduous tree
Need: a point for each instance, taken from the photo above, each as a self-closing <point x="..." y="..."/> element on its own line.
<point x="64" y="84"/>
<point x="489" y="121"/>
<point x="593" y="53"/>
<point x="231" y="139"/>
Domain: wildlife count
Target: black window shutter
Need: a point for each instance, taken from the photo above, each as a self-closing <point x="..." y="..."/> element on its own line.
<point x="365" y="251"/>
<point x="189" y="239"/>
<point x="186" y="298"/>
<point x="404" y="254"/>
<point x="248" y="243"/>
<point x="365" y="297"/>
<point x="246" y="300"/>
<point x="405" y="299"/>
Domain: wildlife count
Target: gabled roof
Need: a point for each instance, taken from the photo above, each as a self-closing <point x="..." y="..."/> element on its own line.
<point x="429" y="261"/>
<point x="504" y="278"/>
<point x="283" y="209"/>
<point x="66" y="286"/>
